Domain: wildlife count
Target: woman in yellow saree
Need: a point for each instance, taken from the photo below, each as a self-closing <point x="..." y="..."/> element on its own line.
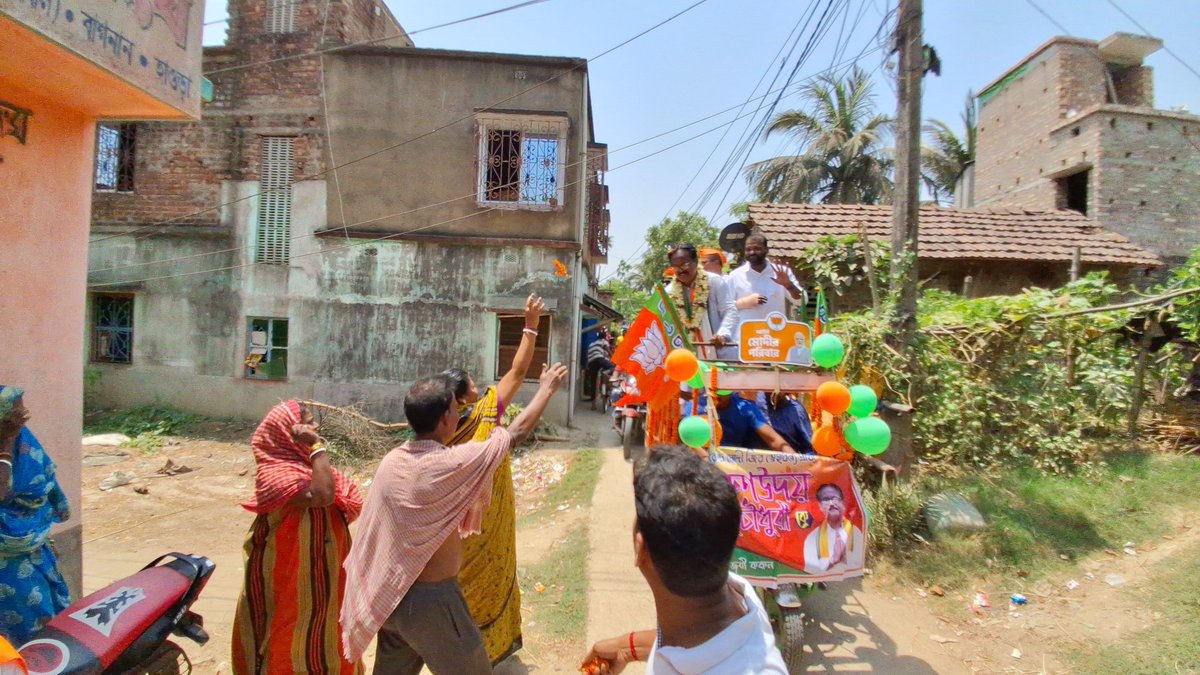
<point x="489" y="569"/>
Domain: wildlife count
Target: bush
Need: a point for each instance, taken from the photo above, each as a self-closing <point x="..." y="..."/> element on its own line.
<point x="152" y="419"/>
<point x="993" y="383"/>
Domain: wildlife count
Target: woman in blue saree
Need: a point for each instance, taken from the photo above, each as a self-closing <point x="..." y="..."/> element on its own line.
<point x="31" y="589"/>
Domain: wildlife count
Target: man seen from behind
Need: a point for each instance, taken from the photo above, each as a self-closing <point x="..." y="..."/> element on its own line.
<point x="709" y="619"/>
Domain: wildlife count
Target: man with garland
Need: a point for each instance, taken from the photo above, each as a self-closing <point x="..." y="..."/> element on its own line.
<point x="704" y="304"/>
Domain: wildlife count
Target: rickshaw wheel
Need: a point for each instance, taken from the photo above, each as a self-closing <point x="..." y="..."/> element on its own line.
<point x="788" y="623"/>
<point x="789" y="637"/>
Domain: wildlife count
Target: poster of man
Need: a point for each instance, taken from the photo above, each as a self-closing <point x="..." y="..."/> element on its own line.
<point x="775" y="340"/>
<point x="802" y="516"/>
<point x="836" y="544"/>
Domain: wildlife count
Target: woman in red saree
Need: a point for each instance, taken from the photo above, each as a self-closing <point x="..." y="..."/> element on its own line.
<point x="287" y="616"/>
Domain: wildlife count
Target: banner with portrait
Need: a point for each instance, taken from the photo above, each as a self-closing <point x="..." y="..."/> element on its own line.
<point x="803" y="518"/>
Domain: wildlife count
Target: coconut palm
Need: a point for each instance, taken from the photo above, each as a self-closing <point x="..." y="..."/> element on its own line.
<point x="842" y="159"/>
<point x="947" y="155"/>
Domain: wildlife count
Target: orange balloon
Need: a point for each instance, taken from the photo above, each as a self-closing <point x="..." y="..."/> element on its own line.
<point x="833" y="397"/>
<point x="682" y="365"/>
<point x="826" y="442"/>
<point x="718" y="432"/>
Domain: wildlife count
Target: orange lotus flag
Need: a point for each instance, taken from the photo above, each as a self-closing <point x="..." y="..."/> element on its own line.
<point x="643" y="352"/>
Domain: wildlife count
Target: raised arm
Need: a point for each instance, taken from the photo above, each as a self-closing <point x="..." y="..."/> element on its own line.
<point x="321" y="490"/>
<point x="551" y="379"/>
<point x="511" y="383"/>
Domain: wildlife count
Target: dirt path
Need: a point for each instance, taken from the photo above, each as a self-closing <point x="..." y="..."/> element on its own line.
<point x="872" y="625"/>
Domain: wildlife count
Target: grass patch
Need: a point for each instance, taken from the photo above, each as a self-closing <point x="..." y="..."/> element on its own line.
<point x="560" y="611"/>
<point x="1035" y="519"/>
<point x="153" y="420"/>
<point x="576" y="487"/>
<point x="1171" y="646"/>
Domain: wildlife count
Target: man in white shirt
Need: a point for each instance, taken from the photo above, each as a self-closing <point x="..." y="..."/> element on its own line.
<point x="709" y="620"/>
<point x="836" y="544"/>
<point x="761" y="287"/>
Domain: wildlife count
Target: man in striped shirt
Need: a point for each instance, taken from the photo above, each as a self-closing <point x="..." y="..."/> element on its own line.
<point x="401" y="574"/>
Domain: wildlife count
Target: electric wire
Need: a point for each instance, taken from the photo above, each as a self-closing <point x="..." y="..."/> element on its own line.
<point x="471" y="195"/>
<point x="385" y="237"/>
<point x="392" y="235"/>
<point x="427" y="134"/>
<point x="371" y="41"/>
<point x="1167" y="49"/>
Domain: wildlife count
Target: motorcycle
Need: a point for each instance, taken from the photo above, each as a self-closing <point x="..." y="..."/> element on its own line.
<point x="123" y="627"/>
<point x="630" y="420"/>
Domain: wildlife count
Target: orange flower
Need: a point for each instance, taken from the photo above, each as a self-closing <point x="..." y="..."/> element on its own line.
<point x="560" y="269"/>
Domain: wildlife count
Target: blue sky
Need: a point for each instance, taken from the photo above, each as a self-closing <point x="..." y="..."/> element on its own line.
<point x="710" y="59"/>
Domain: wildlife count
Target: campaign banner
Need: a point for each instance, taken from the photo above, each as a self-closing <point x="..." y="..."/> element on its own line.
<point x="803" y="518"/>
<point x="775" y="340"/>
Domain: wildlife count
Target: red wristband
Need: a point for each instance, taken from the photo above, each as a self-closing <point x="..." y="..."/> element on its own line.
<point x="632" y="649"/>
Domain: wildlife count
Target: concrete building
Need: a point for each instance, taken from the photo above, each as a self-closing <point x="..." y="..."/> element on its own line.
<point x="1073" y="126"/>
<point x="63" y="67"/>
<point x="973" y="252"/>
<point x="341" y="224"/>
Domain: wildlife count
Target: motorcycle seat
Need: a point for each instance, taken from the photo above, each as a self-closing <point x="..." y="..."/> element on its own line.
<point x="107" y="622"/>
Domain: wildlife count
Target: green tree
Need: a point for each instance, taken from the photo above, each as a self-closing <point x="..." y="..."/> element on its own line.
<point x="626" y="299"/>
<point x="684" y="228"/>
<point x="841" y="160"/>
<point x="946" y="156"/>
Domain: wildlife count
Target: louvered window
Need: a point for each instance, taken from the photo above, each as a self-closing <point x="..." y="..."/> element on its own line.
<point x="275" y="201"/>
<point x="281" y="16"/>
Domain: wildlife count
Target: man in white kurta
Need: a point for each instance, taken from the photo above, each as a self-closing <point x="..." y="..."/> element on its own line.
<point x="836" y="545"/>
<point x="761" y="287"/>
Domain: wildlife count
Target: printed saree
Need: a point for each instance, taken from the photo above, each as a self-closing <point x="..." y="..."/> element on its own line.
<point x="31" y="588"/>
<point x="489" y="571"/>
<point x="287" y="615"/>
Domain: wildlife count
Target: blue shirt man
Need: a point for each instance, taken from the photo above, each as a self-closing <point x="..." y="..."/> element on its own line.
<point x="744" y="425"/>
<point x="789" y="418"/>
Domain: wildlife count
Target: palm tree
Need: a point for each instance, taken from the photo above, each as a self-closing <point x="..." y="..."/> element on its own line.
<point x="841" y="160"/>
<point x="947" y="156"/>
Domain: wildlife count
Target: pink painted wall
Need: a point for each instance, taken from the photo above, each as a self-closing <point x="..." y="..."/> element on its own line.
<point x="45" y="205"/>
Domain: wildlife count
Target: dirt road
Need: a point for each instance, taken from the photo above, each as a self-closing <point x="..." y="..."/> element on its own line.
<point x="871" y="625"/>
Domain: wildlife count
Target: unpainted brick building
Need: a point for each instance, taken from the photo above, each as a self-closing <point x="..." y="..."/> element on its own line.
<point x="1073" y="126"/>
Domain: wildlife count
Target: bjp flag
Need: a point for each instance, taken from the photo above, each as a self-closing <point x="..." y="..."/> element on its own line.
<point x="643" y="352"/>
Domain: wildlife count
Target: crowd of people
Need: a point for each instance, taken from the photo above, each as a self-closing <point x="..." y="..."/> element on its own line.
<point x="431" y="571"/>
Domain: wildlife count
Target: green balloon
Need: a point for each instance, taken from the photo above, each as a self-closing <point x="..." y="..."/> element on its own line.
<point x="698" y="382"/>
<point x="694" y="431"/>
<point x="869" y="435"/>
<point x="827" y="350"/>
<point x="863" y="401"/>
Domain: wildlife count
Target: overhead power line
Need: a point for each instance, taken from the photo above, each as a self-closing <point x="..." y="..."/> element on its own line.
<point x="418" y="137"/>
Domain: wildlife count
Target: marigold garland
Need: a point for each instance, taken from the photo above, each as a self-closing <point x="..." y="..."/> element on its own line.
<point x="690" y="312"/>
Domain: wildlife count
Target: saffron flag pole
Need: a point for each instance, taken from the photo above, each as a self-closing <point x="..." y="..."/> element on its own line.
<point x="643" y="352"/>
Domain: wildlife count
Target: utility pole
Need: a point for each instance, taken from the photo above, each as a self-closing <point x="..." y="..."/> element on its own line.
<point x="906" y="200"/>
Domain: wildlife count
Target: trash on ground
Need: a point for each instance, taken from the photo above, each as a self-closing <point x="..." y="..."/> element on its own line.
<point x="941" y="640"/>
<point x="1016" y="653"/>
<point x="1115" y="580"/>
<point x="117" y="479"/>
<point x="170" y="468"/>
<point x="539" y="587"/>
<point x="1018" y="598"/>
<point x="1072" y="585"/>
<point x="981" y="600"/>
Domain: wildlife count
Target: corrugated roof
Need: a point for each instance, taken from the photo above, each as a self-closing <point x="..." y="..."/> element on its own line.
<point x="956" y="234"/>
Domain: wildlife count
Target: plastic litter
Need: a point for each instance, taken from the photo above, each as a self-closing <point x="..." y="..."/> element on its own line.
<point x="1019" y="599"/>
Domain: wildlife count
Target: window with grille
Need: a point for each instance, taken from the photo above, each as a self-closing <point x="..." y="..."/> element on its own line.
<point x="267" y="348"/>
<point x="521" y="160"/>
<point x="115" y="153"/>
<point x="281" y="16"/>
<point x="112" y="328"/>
<point x="509" y="331"/>
<point x="274" y="232"/>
